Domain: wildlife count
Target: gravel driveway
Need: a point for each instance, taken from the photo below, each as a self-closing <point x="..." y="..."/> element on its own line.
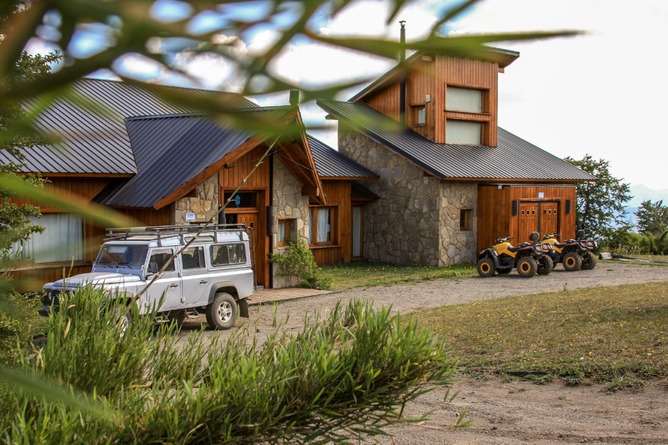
<point x="502" y="412"/>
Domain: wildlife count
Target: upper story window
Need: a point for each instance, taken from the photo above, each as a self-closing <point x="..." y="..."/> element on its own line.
<point x="464" y="99"/>
<point x="463" y="132"/>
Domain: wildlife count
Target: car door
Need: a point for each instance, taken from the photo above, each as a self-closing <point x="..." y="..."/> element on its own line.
<point x="166" y="290"/>
<point x="195" y="277"/>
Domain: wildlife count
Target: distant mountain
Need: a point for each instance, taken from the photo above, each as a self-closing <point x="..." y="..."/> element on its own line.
<point x="641" y="193"/>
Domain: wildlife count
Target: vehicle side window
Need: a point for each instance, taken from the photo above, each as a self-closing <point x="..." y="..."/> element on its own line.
<point x="224" y="254"/>
<point x="159" y="258"/>
<point x="193" y="258"/>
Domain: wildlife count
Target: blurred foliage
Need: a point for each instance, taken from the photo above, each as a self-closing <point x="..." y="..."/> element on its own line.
<point x="600" y="203"/>
<point x="652" y="218"/>
<point x="342" y="377"/>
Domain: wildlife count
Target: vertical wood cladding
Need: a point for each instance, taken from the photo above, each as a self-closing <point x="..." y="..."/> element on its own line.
<point x="496" y="207"/>
<point x="338" y="197"/>
<point x="430" y="76"/>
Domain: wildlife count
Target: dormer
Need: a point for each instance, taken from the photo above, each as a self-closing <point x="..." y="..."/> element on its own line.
<point x="448" y="100"/>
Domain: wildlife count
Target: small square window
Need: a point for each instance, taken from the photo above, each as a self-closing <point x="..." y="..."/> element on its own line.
<point x="286" y="231"/>
<point x="465" y="219"/>
<point x="421" y="116"/>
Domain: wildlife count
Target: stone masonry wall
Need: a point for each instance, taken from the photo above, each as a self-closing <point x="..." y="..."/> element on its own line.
<point x="289" y="203"/>
<point x="458" y="246"/>
<point x="403" y="225"/>
<point x="204" y="205"/>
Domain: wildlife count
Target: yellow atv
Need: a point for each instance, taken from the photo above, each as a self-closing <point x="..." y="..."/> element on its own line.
<point x="574" y="254"/>
<point x="528" y="258"/>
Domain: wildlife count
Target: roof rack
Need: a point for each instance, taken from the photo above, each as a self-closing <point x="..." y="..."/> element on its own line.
<point x="160" y="232"/>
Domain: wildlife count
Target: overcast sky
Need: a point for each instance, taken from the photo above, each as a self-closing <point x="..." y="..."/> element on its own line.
<point x="601" y="93"/>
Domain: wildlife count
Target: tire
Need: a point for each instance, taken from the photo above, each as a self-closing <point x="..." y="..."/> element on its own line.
<point x="588" y="261"/>
<point x="527" y="267"/>
<point x="221" y="313"/>
<point x="572" y="261"/>
<point x="545" y="265"/>
<point x="486" y="267"/>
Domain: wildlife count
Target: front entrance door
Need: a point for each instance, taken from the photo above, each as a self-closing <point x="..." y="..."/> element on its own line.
<point x="541" y="217"/>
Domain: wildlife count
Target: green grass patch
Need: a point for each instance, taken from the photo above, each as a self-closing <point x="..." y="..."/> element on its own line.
<point x="369" y="274"/>
<point x="614" y="335"/>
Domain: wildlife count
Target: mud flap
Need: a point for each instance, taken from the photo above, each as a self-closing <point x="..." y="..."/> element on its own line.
<point x="243" y="308"/>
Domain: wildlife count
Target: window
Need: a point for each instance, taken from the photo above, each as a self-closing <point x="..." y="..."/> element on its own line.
<point x="320" y="225"/>
<point x="420" y="115"/>
<point x="224" y="254"/>
<point x="286" y="231"/>
<point x="465" y="219"/>
<point x="464" y="99"/>
<point x="62" y="239"/>
<point x="193" y="258"/>
<point x="463" y="132"/>
<point x="160" y="257"/>
<point x="241" y="199"/>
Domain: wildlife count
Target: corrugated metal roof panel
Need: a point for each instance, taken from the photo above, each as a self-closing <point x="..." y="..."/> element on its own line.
<point x="97" y="143"/>
<point x="512" y="159"/>
<point x="170" y="150"/>
<point x="331" y="163"/>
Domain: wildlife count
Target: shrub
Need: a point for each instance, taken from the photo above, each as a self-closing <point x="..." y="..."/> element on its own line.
<point x="298" y="261"/>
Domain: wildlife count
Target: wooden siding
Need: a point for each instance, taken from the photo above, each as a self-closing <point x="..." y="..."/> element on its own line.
<point x="338" y="196"/>
<point x="548" y="205"/>
<point x="431" y="77"/>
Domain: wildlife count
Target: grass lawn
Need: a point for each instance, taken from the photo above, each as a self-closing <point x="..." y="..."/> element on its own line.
<point x="368" y="274"/>
<point x="615" y="335"/>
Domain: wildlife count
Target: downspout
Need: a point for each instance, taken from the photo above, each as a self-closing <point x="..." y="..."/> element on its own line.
<point x="402" y="85"/>
<point x="270" y="219"/>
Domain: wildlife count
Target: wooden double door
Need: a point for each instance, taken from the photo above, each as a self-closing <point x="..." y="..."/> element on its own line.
<point x="537" y="216"/>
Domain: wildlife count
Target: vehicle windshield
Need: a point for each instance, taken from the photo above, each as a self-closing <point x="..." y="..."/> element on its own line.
<point x="122" y="255"/>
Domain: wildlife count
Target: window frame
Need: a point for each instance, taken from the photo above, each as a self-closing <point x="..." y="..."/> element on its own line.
<point x="465" y="216"/>
<point x="314" y="215"/>
<point x="286" y="231"/>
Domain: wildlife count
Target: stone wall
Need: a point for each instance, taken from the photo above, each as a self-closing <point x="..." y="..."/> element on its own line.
<point x="403" y="225"/>
<point x="458" y="246"/>
<point x="289" y="203"/>
<point x="204" y="205"/>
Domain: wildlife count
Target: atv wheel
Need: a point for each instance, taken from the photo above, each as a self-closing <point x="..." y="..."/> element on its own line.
<point x="588" y="261"/>
<point x="527" y="267"/>
<point x="545" y="265"/>
<point x="486" y="267"/>
<point x="572" y="261"/>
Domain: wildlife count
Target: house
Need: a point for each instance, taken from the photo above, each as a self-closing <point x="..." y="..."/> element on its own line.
<point x="450" y="180"/>
<point x="163" y="164"/>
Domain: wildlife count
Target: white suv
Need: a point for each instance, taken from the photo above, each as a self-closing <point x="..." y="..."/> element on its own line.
<point x="213" y="272"/>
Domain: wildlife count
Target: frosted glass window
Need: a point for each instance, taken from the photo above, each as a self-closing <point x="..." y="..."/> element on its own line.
<point x="463" y="99"/>
<point x="463" y="132"/>
<point x="62" y="239"/>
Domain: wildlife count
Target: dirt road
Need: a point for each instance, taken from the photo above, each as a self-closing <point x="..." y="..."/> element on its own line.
<point x="516" y="412"/>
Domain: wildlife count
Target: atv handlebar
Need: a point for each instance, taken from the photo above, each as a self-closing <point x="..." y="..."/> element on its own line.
<point x="551" y="235"/>
<point x="503" y="240"/>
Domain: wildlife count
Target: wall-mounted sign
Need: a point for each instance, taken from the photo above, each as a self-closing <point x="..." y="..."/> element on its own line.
<point x="541" y="195"/>
<point x="190" y="216"/>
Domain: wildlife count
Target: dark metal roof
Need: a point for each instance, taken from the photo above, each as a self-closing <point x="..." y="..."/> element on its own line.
<point x="332" y="164"/>
<point x="358" y="192"/>
<point x="512" y="159"/>
<point x="97" y="142"/>
<point x="169" y="151"/>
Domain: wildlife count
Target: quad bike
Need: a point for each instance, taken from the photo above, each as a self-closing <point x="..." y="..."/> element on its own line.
<point x="574" y="254"/>
<point x="528" y="258"/>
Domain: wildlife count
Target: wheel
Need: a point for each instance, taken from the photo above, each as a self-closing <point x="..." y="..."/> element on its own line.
<point x="222" y="312"/>
<point x="505" y="271"/>
<point x="588" y="261"/>
<point x="572" y="261"/>
<point x="527" y="267"/>
<point x="486" y="267"/>
<point x="545" y="265"/>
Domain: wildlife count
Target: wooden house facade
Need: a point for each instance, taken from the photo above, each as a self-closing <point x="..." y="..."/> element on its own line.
<point x="163" y="165"/>
<point x="450" y="180"/>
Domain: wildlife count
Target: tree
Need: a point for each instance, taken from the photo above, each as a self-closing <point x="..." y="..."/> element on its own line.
<point x="600" y="204"/>
<point x="15" y="216"/>
<point x="652" y="218"/>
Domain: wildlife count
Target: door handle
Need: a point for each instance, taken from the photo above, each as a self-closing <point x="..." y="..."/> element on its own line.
<point x="203" y="282"/>
<point x="174" y="285"/>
